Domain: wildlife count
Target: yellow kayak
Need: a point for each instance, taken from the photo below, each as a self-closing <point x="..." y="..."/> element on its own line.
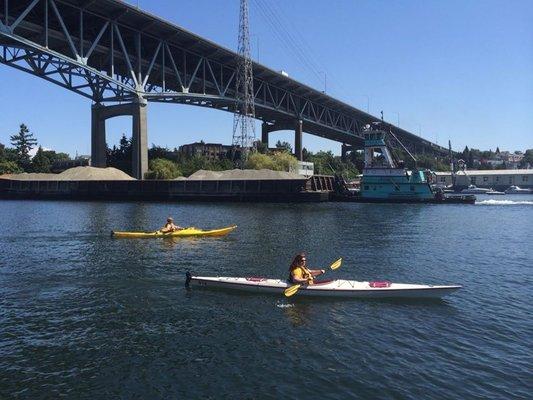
<point x="187" y="232"/>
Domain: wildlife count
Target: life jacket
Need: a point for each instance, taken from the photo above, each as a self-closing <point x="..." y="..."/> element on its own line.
<point x="306" y="274"/>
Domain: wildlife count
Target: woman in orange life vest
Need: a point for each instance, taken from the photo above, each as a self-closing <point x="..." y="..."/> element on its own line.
<point x="299" y="273"/>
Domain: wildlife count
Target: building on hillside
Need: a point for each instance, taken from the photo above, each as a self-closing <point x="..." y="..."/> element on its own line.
<point x="512" y="160"/>
<point x="213" y="151"/>
<point x="496" y="179"/>
<point x="504" y="158"/>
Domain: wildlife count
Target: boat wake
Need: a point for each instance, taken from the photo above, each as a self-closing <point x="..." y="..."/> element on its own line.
<point x="491" y="202"/>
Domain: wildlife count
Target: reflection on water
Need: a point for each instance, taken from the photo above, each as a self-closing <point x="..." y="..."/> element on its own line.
<point x="298" y="314"/>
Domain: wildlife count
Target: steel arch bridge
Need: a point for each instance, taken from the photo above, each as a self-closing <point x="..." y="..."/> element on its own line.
<point x="111" y="52"/>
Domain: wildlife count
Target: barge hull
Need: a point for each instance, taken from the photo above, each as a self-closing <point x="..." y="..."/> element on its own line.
<point x="166" y="190"/>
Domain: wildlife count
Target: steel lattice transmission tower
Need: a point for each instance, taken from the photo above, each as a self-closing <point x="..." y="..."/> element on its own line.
<point x="243" y="119"/>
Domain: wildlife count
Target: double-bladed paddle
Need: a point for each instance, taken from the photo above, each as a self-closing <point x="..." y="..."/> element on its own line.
<point x="290" y="291"/>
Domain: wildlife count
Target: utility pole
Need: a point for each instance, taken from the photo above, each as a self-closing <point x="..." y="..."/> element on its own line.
<point x="243" y="119"/>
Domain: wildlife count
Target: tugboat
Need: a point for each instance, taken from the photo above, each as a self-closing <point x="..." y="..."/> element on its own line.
<point x="388" y="181"/>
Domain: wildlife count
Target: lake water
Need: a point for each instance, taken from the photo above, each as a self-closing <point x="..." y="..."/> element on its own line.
<point x="86" y="316"/>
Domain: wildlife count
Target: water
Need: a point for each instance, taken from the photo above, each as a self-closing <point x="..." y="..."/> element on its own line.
<point x="85" y="316"/>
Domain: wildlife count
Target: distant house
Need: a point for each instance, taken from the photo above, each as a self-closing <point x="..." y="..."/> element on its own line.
<point x="213" y="151"/>
<point x="510" y="160"/>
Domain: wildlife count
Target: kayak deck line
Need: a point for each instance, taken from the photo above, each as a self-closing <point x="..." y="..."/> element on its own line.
<point x="187" y="232"/>
<point x="331" y="288"/>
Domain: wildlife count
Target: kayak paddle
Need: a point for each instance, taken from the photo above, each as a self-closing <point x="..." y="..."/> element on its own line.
<point x="290" y="291"/>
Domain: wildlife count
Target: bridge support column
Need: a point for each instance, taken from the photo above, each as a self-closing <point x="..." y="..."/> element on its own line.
<point x="98" y="142"/>
<point x="264" y="133"/>
<point x="298" y="130"/>
<point x="139" y="140"/>
<point x="137" y="110"/>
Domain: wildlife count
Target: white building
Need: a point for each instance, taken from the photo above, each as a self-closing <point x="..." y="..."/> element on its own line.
<point x="498" y="179"/>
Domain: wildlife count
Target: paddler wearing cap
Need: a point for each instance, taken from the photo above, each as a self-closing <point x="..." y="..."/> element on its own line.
<point x="170" y="226"/>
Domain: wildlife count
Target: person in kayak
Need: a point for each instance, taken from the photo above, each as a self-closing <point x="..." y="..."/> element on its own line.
<point x="299" y="273"/>
<point x="170" y="226"/>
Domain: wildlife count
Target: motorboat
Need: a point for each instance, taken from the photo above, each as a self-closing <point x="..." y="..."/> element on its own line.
<point x="517" y="190"/>
<point x="473" y="189"/>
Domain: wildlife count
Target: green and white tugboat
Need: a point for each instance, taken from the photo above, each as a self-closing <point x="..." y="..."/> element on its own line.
<point x="386" y="180"/>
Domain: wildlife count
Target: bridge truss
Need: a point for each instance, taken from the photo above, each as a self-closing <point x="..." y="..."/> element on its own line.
<point x="109" y="52"/>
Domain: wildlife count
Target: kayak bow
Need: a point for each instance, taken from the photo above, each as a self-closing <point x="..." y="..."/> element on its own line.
<point x="187" y="232"/>
<point x="330" y="288"/>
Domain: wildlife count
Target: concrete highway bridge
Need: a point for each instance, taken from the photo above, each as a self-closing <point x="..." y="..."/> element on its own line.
<point x="122" y="58"/>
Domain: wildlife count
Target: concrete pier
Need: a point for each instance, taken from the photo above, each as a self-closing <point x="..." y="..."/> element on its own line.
<point x="264" y="133"/>
<point x="298" y="130"/>
<point x="137" y="110"/>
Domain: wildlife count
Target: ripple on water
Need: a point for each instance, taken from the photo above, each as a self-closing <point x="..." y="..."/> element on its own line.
<point x="86" y="316"/>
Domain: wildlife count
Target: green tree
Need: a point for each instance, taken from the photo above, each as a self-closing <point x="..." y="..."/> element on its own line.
<point x="261" y="147"/>
<point x="23" y="142"/>
<point x="9" y="167"/>
<point x="259" y="161"/>
<point x="40" y="162"/>
<point x="286" y="146"/>
<point x="470" y="162"/>
<point x="284" y="161"/>
<point x="528" y="159"/>
<point x="192" y="164"/>
<point x="160" y="152"/>
<point x="55" y="157"/>
<point x="161" y="168"/>
<point x="121" y="157"/>
<point x="323" y="161"/>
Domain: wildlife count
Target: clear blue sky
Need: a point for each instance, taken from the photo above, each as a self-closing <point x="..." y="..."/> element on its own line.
<point x="454" y="69"/>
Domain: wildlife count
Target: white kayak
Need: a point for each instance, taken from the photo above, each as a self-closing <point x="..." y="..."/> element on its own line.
<point x="331" y="288"/>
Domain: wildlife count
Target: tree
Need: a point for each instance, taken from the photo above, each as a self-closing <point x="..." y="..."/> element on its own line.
<point x="497" y="150"/>
<point x="306" y="154"/>
<point x="23" y="142"/>
<point x="259" y="161"/>
<point x="470" y="161"/>
<point x="158" y="152"/>
<point x="9" y="167"/>
<point x="261" y="147"/>
<point x="121" y="157"/>
<point x="40" y="162"/>
<point x="162" y="169"/>
<point x="55" y="157"/>
<point x="528" y="159"/>
<point x="286" y="146"/>
<point x="322" y="161"/>
<point x="284" y="161"/>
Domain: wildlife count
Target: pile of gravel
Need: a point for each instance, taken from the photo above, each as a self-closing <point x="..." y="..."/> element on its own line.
<point x="75" y="174"/>
<point x="242" y="174"/>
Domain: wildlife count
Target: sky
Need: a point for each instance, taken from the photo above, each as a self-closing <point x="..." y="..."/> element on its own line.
<point x="458" y="70"/>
